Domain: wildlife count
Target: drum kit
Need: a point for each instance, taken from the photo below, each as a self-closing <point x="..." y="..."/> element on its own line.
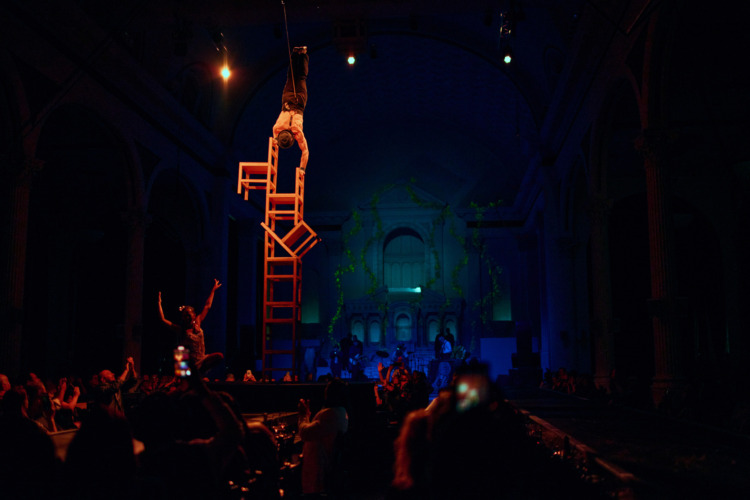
<point x="412" y="362"/>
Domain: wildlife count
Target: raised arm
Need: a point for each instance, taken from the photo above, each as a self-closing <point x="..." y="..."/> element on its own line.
<point x="129" y="371"/>
<point x="164" y="319"/>
<point x="72" y="401"/>
<point x="209" y="302"/>
<point x="381" y="369"/>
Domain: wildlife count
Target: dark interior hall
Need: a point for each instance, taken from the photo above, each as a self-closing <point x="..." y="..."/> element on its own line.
<point x="583" y="206"/>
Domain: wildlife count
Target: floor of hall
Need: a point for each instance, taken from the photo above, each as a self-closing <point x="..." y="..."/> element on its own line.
<point x="596" y="450"/>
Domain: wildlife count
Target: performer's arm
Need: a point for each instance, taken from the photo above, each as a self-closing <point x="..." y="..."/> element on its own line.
<point x="300" y="137"/>
<point x="303" y="160"/>
<point x="209" y="302"/>
<point x="163" y="318"/>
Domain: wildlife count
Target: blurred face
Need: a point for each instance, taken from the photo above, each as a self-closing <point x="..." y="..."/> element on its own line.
<point x="106" y="376"/>
<point x="4" y="383"/>
<point x="188" y="316"/>
<point x="286" y="139"/>
<point x="471" y="390"/>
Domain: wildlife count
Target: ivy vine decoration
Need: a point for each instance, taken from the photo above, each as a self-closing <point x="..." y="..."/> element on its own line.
<point x="444" y="214"/>
<point x="483" y="304"/>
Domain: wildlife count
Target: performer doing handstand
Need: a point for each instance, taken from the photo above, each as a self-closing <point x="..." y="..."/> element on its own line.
<point x="288" y="126"/>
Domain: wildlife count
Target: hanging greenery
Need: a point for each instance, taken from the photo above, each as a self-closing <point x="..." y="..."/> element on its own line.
<point x="485" y="302"/>
<point x="343" y="269"/>
<point x="444" y="214"/>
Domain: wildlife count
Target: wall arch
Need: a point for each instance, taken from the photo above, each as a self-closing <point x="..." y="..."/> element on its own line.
<point x="77" y="251"/>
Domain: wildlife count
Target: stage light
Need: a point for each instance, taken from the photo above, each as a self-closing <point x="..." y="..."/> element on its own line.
<point x="507" y="56"/>
<point x="405" y="290"/>
<point x="351" y="60"/>
<point x="225" y="72"/>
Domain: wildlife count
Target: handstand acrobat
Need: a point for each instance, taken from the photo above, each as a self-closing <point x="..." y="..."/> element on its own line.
<point x="288" y="126"/>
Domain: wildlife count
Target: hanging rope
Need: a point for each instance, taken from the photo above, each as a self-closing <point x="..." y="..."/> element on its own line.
<point x="289" y="50"/>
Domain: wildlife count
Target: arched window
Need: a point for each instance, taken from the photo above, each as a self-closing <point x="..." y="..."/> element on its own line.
<point x="433" y="328"/>
<point x="358" y="329"/>
<point x="404" y="259"/>
<point x="374" y="333"/>
<point x="452" y="325"/>
<point x="403" y="328"/>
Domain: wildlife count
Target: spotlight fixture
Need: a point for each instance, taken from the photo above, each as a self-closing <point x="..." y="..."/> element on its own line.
<point x="225" y="72"/>
<point x="508" y="20"/>
<point x="507" y="25"/>
<point x="350" y="38"/>
<point x="218" y="38"/>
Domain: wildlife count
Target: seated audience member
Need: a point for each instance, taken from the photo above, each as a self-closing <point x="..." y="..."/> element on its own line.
<point x="107" y="395"/>
<point x="28" y="464"/>
<point x="148" y="383"/>
<point x="261" y="450"/>
<point x="399" y="393"/>
<point x="468" y="444"/>
<point x="421" y="390"/>
<point x="412" y="457"/>
<point x="183" y="460"/>
<point x="562" y="381"/>
<point x="100" y="462"/>
<point x="443" y="376"/>
<point x="320" y="437"/>
<point x="257" y="463"/>
<point x="40" y="407"/>
<point x="65" y="401"/>
<point x="4" y="385"/>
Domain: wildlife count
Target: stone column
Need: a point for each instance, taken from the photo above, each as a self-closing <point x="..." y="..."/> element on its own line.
<point x="14" y="210"/>
<point x="526" y="310"/>
<point x="668" y="351"/>
<point x="135" y="221"/>
<point x="601" y="284"/>
<point x="565" y="339"/>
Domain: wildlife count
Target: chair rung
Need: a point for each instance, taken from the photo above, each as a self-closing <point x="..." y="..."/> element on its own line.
<point x="280" y="321"/>
<point x="288" y="260"/>
<point x="280" y="277"/>
<point x="284" y="198"/>
<point x="281" y="304"/>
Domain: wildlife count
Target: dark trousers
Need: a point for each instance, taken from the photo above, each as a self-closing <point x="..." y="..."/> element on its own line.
<point x="295" y="91"/>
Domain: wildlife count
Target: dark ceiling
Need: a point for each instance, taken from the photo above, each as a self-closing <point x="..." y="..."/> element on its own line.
<point x="428" y="101"/>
